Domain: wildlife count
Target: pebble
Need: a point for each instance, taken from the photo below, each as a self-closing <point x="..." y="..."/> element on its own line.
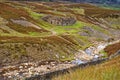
<point x="9" y="76"/>
<point x="20" y="67"/>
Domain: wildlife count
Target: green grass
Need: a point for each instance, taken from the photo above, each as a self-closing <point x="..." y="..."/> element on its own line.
<point x="37" y="34"/>
<point x="71" y="29"/>
<point x="104" y="53"/>
<point x="59" y="29"/>
<point x="38" y="17"/>
<point x="34" y="33"/>
<point x="33" y="14"/>
<point x="106" y="71"/>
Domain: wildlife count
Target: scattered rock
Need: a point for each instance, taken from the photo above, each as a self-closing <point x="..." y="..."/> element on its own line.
<point x="81" y="55"/>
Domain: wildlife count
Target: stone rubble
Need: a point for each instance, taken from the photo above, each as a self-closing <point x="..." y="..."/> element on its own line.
<point x="30" y="69"/>
<point x="92" y="53"/>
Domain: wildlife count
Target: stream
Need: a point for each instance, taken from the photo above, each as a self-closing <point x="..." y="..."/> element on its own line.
<point x="93" y="52"/>
<point x="29" y="71"/>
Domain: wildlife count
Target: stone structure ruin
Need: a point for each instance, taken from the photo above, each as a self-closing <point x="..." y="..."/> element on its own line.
<point x="60" y="21"/>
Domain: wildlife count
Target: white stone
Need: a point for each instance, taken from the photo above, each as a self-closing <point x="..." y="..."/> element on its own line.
<point x="20" y="67"/>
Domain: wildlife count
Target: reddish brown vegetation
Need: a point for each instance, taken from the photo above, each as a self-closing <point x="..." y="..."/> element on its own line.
<point x="8" y="12"/>
<point x="23" y="29"/>
<point x="50" y="39"/>
<point x="111" y="49"/>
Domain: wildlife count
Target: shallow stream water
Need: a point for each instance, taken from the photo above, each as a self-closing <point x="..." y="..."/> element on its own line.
<point x="92" y="51"/>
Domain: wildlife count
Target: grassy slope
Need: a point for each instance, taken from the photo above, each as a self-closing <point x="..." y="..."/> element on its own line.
<point x="33" y="12"/>
<point x="106" y="71"/>
<point x="35" y="18"/>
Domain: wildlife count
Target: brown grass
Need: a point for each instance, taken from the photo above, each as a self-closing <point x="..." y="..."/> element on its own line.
<point x="104" y="71"/>
<point x="5" y="31"/>
<point x="50" y="39"/>
<point x="8" y="12"/>
<point x="23" y="29"/>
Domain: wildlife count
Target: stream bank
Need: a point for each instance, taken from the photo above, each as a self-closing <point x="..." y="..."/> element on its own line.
<point x="33" y="71"/>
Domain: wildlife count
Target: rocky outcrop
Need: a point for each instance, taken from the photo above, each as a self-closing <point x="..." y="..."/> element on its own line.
<point x="60" y="21"/>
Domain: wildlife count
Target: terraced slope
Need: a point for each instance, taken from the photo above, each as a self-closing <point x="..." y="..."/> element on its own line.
<point x="25" y="36"/>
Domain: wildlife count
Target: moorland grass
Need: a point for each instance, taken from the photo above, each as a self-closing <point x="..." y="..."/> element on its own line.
<point x="109" y="70"/>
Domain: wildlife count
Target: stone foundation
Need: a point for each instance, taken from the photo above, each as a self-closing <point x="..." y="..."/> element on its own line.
<point x="60" y="21"/>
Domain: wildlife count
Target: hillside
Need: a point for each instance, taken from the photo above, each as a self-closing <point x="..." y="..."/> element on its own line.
<point x="108" y="70"/>
<point x="53" y="33"/>
<point x="44" y="31"/>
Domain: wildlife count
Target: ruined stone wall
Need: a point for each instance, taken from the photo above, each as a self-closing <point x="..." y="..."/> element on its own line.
<point x="60" y="21"/>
